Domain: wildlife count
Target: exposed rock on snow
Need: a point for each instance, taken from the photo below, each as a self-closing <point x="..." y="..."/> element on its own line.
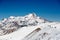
<point x="16" y="22"/>
<point x="29" y="27"/>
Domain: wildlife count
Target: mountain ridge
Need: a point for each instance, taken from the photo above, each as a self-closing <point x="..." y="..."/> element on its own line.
<point x="17" y="25"/>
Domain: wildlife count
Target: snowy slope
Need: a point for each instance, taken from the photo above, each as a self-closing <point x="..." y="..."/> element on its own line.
<point x="18" y="35"/>
<point x="29" y="27"/>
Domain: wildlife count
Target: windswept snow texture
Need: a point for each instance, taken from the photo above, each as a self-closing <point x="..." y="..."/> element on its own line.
<point x="24" y="28"/>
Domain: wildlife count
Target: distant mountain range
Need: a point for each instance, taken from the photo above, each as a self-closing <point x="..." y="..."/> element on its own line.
<point x="13" y="28"/>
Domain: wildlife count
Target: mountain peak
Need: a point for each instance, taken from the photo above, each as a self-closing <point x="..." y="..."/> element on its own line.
<point x="13" y="23"/>
<point x="31" y="15"/>
<point x="37" y="28"/>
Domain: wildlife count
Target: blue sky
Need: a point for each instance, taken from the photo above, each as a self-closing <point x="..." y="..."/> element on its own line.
<point x="48" y="9"/>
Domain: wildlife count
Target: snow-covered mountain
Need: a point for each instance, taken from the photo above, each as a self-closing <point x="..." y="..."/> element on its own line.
<point x="29" y="27"/>
<point x="13" y="23"/>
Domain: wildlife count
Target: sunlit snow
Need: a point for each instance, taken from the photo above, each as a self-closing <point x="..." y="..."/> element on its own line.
<point x="29" y="27"/>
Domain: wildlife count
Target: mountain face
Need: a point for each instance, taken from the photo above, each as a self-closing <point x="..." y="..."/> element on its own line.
<point x="8" y="25"/>
<point x="48" y="30"/>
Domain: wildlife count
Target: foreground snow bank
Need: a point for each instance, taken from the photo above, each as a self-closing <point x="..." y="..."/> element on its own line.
<point x="18" y="35"/>
<point x="34" y="33"/>
<point x="47" y="33"/>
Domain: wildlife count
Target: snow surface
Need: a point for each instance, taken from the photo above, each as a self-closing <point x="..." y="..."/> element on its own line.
<point x="27" y="28"/>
